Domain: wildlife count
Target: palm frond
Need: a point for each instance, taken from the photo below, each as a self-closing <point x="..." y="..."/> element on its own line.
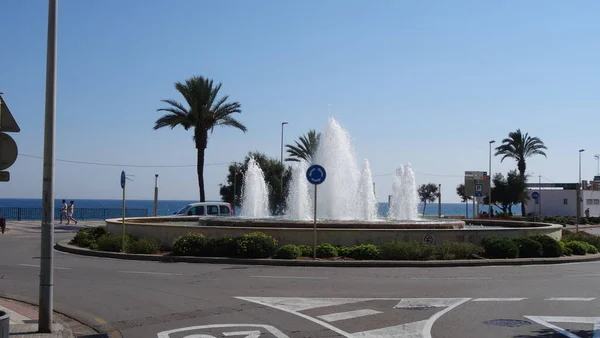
<point x="231" y="122"/>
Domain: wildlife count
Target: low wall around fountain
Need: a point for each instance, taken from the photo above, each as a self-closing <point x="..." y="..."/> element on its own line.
<point x="156" y="228"/>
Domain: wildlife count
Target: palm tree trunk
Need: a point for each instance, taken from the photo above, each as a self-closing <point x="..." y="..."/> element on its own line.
<point x="522" y="174"/>
<point x="424" y="206"/>
<point x="200" y="168"/>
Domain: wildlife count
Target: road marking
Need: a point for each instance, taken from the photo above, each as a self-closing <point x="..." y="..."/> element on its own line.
<point x="547" y="320"/>
<point x="153" y="273"/>
<point x="418" y="329"/>
<point x="289" y="277"/>
<point x="458" y="278"/>
<point x="586" y="275"/>
<point x="571" y="299"/>
<point x="334" y="317"/>
<point x="37" y="266"/>
<point x="498" y="299"/>
<point x="246" y="334"/>
<point x="275" y="332"/>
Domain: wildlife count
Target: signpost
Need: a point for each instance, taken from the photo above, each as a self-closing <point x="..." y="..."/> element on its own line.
<point x="476" y="182"/>
<point x="8" y="146"/>
<point x="123" y="180"/>
<point x="535" y="195"/>
<point x="315" y="174"/>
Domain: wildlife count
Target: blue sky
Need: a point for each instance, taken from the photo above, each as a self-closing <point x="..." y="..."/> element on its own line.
<point x="423" y="82"/>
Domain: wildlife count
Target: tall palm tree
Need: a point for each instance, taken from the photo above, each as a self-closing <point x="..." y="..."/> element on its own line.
<point x="304" y="150"/>
<point x="204" y="112"/>
<point x="519" y="146"/>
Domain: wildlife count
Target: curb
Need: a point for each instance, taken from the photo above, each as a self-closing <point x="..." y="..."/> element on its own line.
<point x="75" y="315"/>
<point x="64" y="246"/>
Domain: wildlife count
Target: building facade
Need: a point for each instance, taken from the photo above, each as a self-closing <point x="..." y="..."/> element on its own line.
<point x="560" y="199"/>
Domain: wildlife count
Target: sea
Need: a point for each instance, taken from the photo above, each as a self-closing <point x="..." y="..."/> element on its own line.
<point x="168" y="207"/>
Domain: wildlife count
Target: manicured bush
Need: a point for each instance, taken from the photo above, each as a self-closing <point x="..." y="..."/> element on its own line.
<point x="255" y="245"/>
<point x="191" y="244"/>
<point x="305" y="250"/>
<point x="590" y="249"/>
<point x="363" y="252"/>
<point x="581" y="236"/>
<point x="528" y="247"/>
<point x="407" y="251"/>
<point x="112" y="242"/>
<point x="344" y="251"/>
<point x="499" y="247"/>
<point x="326" y="250"/>
<point x="457" y="250"/>
<point x="550" y="246"/>
<point x="565" y="250"/>
<point x="578" y="248"/>
<point x="87" y="236"/>
<point x="288" y="251"/>
<point x="143" y="246"/>
<point x="220" y="247"/>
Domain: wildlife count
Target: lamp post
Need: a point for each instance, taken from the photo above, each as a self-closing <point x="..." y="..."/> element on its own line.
<point x="155" y="195"/>
<point x="46" y="290"/>
<point x="597" y="157"/>
<point x="490" y="177"/>
<point x="579" y="199"/>
<point x="283" y="172"/>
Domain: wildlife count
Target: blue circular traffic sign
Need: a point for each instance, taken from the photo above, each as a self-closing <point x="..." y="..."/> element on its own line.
<point x="123" y="178"/>
<point x="316" y="174"/>
<point x="535" y="195"/>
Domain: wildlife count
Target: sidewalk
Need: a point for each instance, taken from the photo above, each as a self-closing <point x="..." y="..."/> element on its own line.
<point x="36" y="226"/>
<point x="24" y="324"/>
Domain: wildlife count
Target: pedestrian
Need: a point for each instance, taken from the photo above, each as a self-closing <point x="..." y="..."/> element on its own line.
<point x="70" y="210"/>
<point x="63" y="211"/>
<point x="587" y="212"/>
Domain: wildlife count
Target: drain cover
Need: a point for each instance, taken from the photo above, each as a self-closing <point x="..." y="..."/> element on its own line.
<point x="507" y="322"/>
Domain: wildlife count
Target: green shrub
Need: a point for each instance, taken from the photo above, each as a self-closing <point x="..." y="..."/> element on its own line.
<point x="344" y="251"/>
<point x="499" y="247"/>
<point x="363" y="252"/>
<point x="591" y="249"/>
<point x="288" y="251"/>
<point x="407" y="251"/>
<point x="565" y="250"/>
<point x="87" y="236"/>
<point x="578" y="248"/>
<point x="550" y="246"/>
<point x="255" y="245"/>
<point x="220" y="247"/>
<point x="528" y="247"/>
<point x="305" y="250"/>
<point x="581" y="236"/>
<point x="143" y="246"/>
<point x="458" y="250"/>
<point x="191" y="244"/>
<point x="112" y="242"/>
<point x="326" y="250"/>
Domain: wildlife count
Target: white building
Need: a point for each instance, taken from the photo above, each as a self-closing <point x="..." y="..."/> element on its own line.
<point x="560" y="199"/>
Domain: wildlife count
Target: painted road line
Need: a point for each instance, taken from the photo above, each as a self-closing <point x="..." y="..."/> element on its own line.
<point x="178" y="332"/>
<point x="153" y="273"/>
<point x="289" y="277"/>
<point x="547" y="320"/>
<point x="454" y="278"/>
<point x="334" y="317"/>
<point x="571" y="299"/>
<point x="497" y="299"/>
<point x="15" y="318"/>
<point x="585" y="275"/>
<point x="37" y="266"/>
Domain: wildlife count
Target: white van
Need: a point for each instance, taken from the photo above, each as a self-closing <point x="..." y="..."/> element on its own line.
<point x="206" y="209"/>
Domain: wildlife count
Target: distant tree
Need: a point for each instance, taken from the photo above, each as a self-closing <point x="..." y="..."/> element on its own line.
<point x="305" y="148"/>
<point x="507" y="191"/>
<point x="460" y="191"/>
<point x="204" y="112"/>
<point x="519" y="146"/>
<point x="272" y="169"/>
<point x="428" y="193"/>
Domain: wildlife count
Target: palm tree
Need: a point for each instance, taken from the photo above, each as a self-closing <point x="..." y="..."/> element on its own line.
<point x="519" y="146"/>
<point x="205" y="112"/>
<point x="304" y="150"/>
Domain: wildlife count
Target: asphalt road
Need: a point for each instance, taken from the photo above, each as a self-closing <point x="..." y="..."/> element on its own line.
<point x="149" y="299"/>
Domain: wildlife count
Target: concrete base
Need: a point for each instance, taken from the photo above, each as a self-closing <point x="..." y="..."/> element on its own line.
<point x="166" y="234"/>
<point x="4" y="324"/>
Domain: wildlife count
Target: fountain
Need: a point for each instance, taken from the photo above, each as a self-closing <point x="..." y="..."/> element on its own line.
<point x="255" y="193"/>
<point x="298" y="200"/>
<point x="403" y="204"/>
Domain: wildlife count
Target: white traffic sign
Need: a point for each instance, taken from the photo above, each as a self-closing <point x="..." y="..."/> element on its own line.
<point x="8" y="151"/>
<point x="7" y="121"/>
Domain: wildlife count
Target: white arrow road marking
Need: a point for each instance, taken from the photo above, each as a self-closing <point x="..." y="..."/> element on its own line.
<point x="546" y="320"/>
<point x="334" y="317"/>
<point x="572" y="299"/>
<point x="498" y="299"/>
<point x="418" y="329"/>
<point x="246" y="334"/>
<point x="270" y="329"/>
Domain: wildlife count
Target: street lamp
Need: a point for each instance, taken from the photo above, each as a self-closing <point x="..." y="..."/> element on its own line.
<point x="155" y="209"/>
<point x="490" y="177"/>
<point x="579" y="198"/>
<point x="597" y="157"/>
<point x="282" y="173"/>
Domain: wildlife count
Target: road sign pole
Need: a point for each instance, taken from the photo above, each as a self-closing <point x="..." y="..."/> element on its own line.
<point x="315" y="224"/>
<point x="123" y="223"/>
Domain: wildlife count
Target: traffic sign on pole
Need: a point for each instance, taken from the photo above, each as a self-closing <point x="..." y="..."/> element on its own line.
<point x="123" y="179"/>
<point x="8" y="151"/>
<point x="535" y="195"/>
<point x="316" y="174"/>
<point x="7" y="121"/>
<point x="478" y="190"/>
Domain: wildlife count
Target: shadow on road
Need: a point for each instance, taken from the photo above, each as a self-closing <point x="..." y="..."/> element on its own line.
<point x="549" y="333"/>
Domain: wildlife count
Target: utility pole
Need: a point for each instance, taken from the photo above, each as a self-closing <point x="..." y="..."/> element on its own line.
<point x="46" y="292"/>
<point x="155" y="195"/>
<point x="439" y="200"/>
<point x="283" y="172"/>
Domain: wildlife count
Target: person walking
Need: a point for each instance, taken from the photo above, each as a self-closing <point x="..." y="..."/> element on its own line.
<point x="70" y="210"/>
<point x="63" y="211"/>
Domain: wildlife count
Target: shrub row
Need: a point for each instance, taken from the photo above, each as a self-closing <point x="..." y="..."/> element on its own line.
<point x="522" y="247"/>
<point x="564" y="220"/>
<point x="99" y="239"/>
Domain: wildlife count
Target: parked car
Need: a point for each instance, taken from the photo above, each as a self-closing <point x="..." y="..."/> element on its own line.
<point x="206" y="209"/>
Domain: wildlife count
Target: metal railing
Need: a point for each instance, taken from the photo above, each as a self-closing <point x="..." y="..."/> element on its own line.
<point x="35" y="214"/>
